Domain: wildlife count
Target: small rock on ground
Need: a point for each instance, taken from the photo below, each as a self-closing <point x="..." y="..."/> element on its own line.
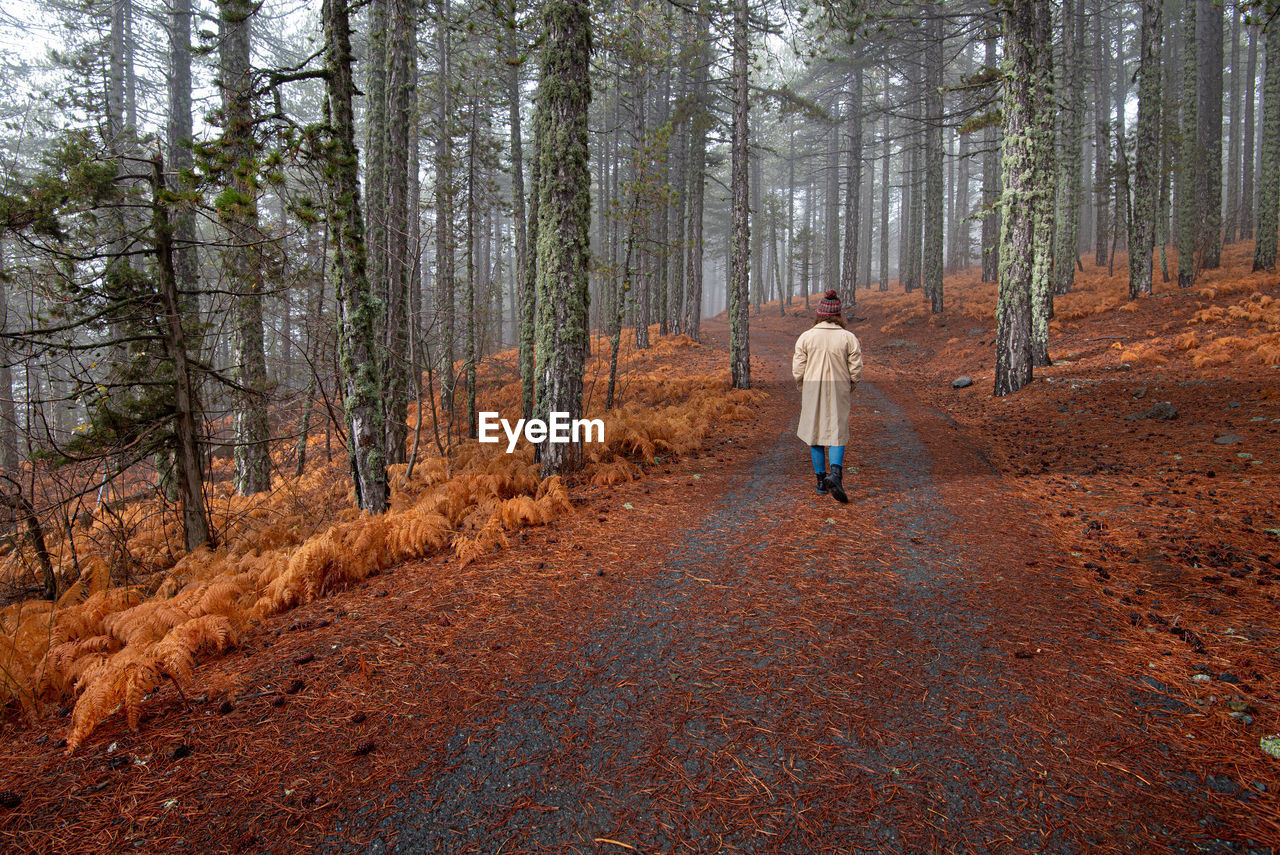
<point x="1228" y="439"/>
<point x="961" y="382"/>
<point x="1162" y="412"/>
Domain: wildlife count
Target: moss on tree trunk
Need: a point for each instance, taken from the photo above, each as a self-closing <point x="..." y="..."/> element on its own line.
<point x="564" y="220"/>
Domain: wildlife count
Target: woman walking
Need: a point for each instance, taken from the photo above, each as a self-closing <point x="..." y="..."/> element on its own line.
<point x="827" y="367"/>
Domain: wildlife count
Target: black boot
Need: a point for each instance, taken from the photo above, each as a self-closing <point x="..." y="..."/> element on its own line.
<point x="822" y="483"/>
<point x="834" y="485"/>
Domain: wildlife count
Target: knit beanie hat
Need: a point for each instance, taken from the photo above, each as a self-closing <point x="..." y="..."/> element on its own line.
<point x="829" y="305"/>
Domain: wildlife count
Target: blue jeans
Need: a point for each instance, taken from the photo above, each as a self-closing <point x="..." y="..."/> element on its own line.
<point x="836" y="453"/>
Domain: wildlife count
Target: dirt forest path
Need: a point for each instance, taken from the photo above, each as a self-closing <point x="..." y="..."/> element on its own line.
<point x="774" y="672"/>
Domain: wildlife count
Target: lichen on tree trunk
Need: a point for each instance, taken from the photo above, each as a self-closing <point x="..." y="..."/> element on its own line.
<point x="241" y="259"/>
<point x="358" y="307"/>
<point x="1264" y="253"/>
<point x="739" y="298"/>
<point x="1147" y="153"/>
<point x="1026" y="231"/>
<point x="564" y="220"/>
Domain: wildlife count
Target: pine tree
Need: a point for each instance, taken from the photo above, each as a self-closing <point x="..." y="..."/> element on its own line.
<point x="990" y="180"/>
<point x="1066" y="253"/>
<point x="242" y="259"/>
<point x="932" y="264"/>
<point x="853" y="184"/>
<point x="564" y="219"/>
<point x="1026" y="163"/>
<point x="1209" y="132"/>
<point x="699" y="125"/>
<point x="1264" y="253"/>
<point x="1146" y="152"/>
<point x="739" y="297"/>
<point x="359" y="308"/>
<point x="1044" y="122"/>
<point x="1189" y="194"/>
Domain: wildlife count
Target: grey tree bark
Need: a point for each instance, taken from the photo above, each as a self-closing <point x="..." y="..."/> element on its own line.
<point x="358" y="307"/>
<point x="1026" y="155"/>
<point x="1066" y="256"/>
<point x="884" y="194"/>
<point x="932" y="265"/>
<point x="831" y="230"/>
<point x="564" y="214"/>
<point x="241" y="260"/>
<point x="1146" y="170"/>
<point x="739" y="298"/>
<point x="188" y="456"/>
<point x="9" y="457"/>
<point x="400" y="113"/>
<point x="1231" y="212"/>
<point x="991" y="182"/>
<point x="445" y="239"/>
<point x="1102" y="143"/>
<point x="853" y="187"/>
<point x="1209" y="131"/>
<point x="1189" y="194"/>
<point x="1264" y="251"/>
<point x="1250" y="123"/>
<point x="699" y="124"/>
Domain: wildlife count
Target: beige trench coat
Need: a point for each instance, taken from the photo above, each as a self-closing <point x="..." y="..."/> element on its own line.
<point x="827" y="367"/>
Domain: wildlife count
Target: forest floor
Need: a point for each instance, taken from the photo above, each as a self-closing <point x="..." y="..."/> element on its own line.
<point x="1039" y="626"/>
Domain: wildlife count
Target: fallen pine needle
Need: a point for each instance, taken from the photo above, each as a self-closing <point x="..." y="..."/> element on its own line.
<point x="615" y="843"/>
<point x="1123" y="769"/>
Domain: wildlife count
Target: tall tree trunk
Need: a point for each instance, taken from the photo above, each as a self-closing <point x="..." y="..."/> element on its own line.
<point x="1264" y="252"/>
<point x="1071" y="104"/>
<point x="991" y="184"/>
<point x="640" y="223"/>
<point x="188" y="455"/>
<point x="739" y="299"/>
<point x="884" y="194"/>
<point x="791" y="211"/>
<point x="868" y="223"/>
<point x="9" y="459"/>
<point x="806" y="244"/>
<point x="831" y="232"/>
<point x="376" y="168"/>
<point x="358" y="307"/>
<point x="699" y="124"/>
<point x="915" y="217"/>
<point x="1168" y="134"/>
<point x="1250" y="123"/>
<point x="1231" y="219"/>
<point x="932" y="266"/>
<point x="178" y="144"/>
<point x="661" y="215"/>
<point x="1045" y="167"/>
<point x="241" y="260"/>
<point x="530" y="387"/>
<point x="564" y="215"/>
<point x="853" y="187"/>
<point x="757" y="230"/>
<point x="1027" y="161"/>
<point x="1189" y="162"/>
<point x="1146" y="152"/>
<point x="471" y="355"/>
<point x="401" y="97"/>
<point x="514" y="65"/>
<point x="445" y="239"/>
<point x="1102" y="144"/>
<point x="676" y="219"/>
<point x="1209" y="118"/>
<point x="1120" y="224"/>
